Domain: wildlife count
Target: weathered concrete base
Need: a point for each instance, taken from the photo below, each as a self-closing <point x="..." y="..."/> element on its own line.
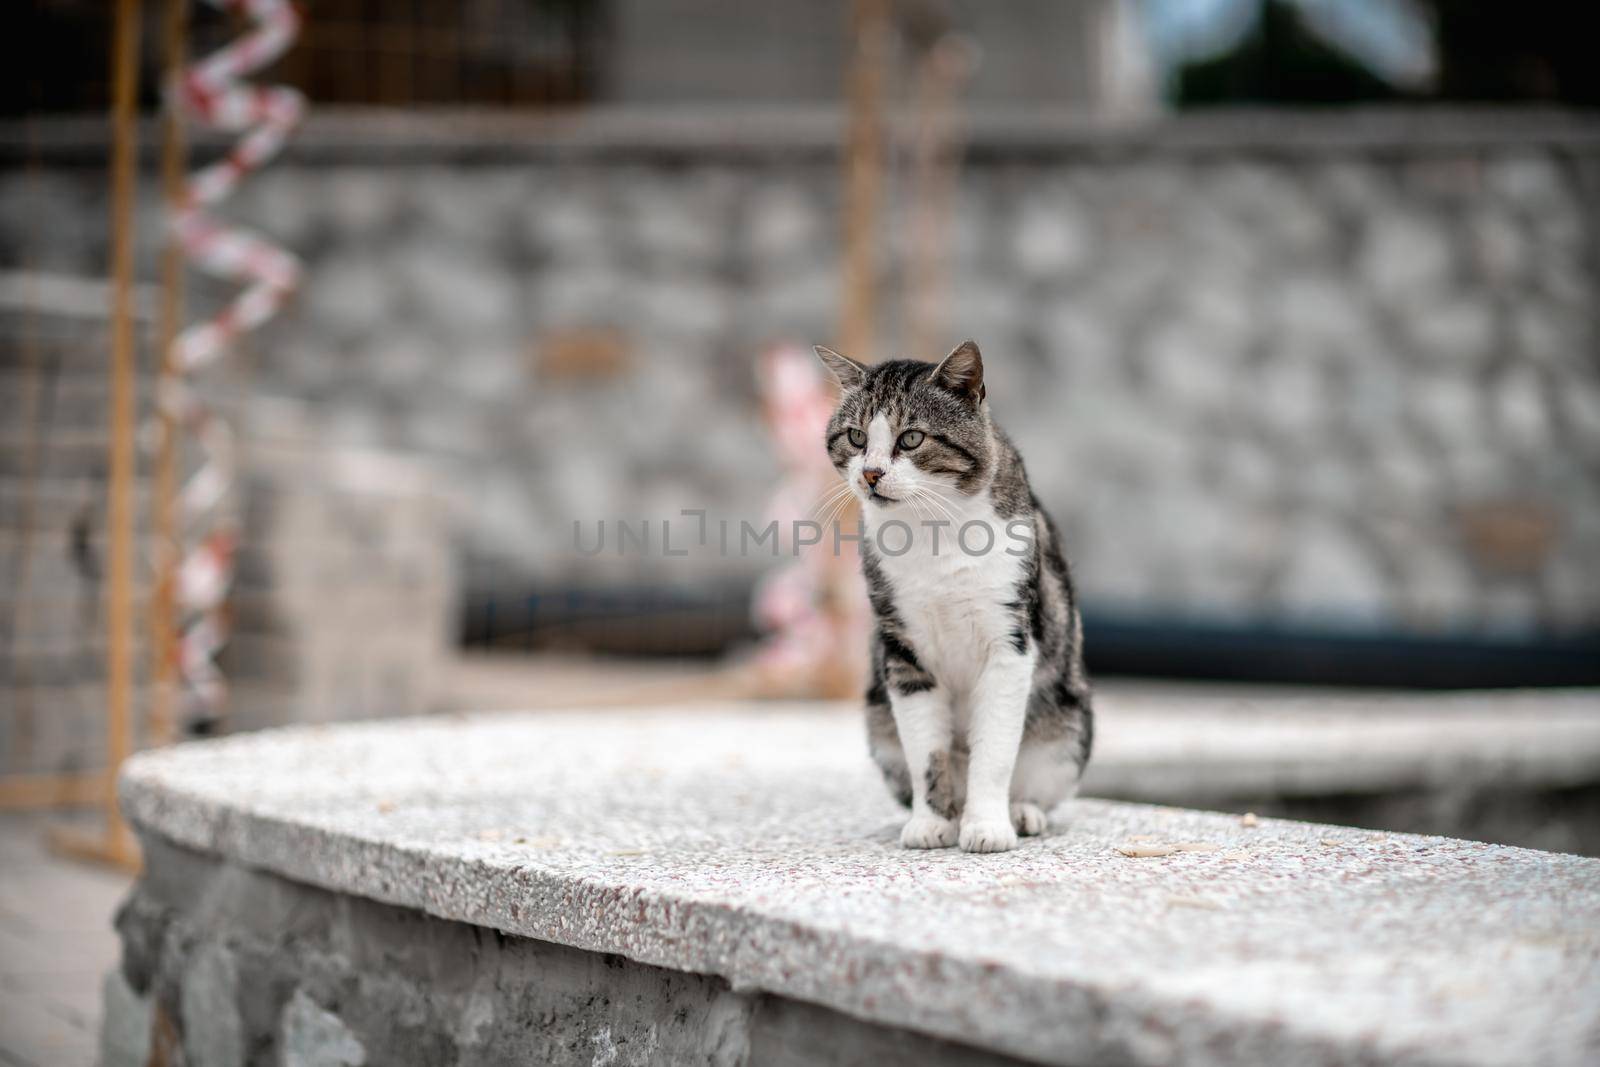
<point x="243" y="967"/>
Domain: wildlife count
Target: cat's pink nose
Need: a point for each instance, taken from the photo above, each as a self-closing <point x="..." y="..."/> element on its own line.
<point x="871" y="474"/>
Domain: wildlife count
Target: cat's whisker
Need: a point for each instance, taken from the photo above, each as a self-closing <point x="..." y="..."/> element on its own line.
<point x="935" y="501"/>
<point x="943" y="505"/>
<point x="837" y="492"/>
<point x="834" y="510"/>
<point x="950" y="515"/>
<point x="944" y="515"/>
<point x="936" y="494"/>
<point x="914" y="500"/>
<point x="916" y="505"/>
<point x="837" y="510"/>
<point x="928" y="508"/>
<point x="833" y="514"/>
<point x="840" y="505"/>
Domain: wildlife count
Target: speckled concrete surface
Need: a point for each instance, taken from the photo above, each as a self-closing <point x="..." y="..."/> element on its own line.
<point x="758" y="846"/>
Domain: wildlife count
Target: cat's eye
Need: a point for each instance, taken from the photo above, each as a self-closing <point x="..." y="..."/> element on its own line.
<point x="858" y="437"/>
<point x="911" y="439"/>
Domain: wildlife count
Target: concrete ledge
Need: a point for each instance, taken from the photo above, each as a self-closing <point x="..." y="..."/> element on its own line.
<point x="757" y="848"/>
<point x="1511" y="767"/>
<point x="1195" y="745"/>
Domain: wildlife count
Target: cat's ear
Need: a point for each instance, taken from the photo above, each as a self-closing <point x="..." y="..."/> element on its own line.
<point x="848" y="372"/>
<point x="961" y="372"/>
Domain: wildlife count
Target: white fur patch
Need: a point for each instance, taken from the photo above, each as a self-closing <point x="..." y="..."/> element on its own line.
<point x="952" y="604"/>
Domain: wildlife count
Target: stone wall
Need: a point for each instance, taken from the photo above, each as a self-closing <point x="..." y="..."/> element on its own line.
<point x="225" y="966"/>
<point x="1336" y="369"/>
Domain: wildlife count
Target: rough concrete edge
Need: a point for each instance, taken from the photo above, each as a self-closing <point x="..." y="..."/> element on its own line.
<point x="1089" y="1020"/>
<point x="1458" y="764"/>
<point x="1157" y="781"/>
<point x="126" y="1023"/>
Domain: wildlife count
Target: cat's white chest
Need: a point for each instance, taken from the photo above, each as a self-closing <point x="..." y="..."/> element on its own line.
<point x="953" y="603"/>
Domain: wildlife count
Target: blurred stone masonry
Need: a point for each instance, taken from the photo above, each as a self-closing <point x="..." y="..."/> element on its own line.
<point x="1336" y="368"/>
<point x="346" y="604"/>
<point x="345" y="593"/>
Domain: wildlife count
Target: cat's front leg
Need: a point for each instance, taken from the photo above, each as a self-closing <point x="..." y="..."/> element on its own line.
<point x="922" y="718"/>
<point x="999" y="709"/>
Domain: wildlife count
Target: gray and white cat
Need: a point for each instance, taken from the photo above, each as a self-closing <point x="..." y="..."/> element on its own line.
<point x="979" y="712"/>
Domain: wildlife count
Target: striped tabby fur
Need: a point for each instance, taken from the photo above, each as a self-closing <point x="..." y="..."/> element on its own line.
<point x="978" y="712"/>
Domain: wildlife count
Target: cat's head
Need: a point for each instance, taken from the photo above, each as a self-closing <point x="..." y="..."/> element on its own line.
<point x="907" y="431"/>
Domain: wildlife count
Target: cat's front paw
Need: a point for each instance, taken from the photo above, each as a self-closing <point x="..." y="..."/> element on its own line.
<point x="1028" y="819"/>
<point x="988" y="835"/>
<point x="928" y="831"/>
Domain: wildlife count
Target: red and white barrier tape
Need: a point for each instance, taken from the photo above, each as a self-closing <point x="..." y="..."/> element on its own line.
<point x="213" y="92"/>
